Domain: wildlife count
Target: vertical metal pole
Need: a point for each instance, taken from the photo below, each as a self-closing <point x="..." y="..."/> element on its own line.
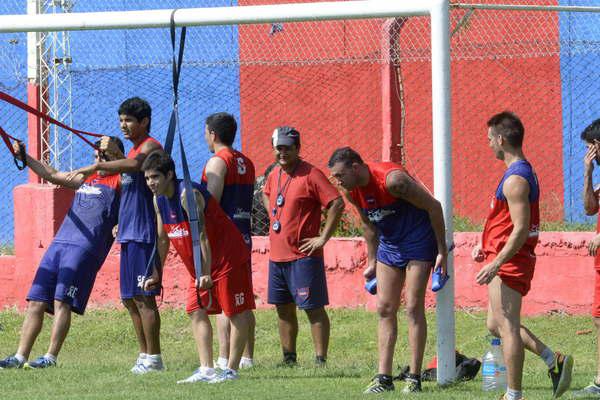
<point x="442" y="179"/>
<point x="34" y="124"/>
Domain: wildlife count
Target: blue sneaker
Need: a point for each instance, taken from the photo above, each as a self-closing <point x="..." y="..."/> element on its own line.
<point x="41" y="362"/>
<point x="11" y="362"/>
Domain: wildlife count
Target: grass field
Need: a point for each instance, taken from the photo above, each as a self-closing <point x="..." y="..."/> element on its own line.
<point x="96" y="358"/>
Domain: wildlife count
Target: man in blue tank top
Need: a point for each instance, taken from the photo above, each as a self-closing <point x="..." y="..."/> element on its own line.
<point x="66" y="274"/>
<point x="137" y="230"/>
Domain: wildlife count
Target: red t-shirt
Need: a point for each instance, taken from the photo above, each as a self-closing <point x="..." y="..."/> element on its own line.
<point x="305" y="193"/>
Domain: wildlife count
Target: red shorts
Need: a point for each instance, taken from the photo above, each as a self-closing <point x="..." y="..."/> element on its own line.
<point x="517" y="274"/>
<point x="232" y="294"/>
<point x="596" y="304"/>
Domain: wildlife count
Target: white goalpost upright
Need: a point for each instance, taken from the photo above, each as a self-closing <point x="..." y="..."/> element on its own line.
<point x="437" y="10"/>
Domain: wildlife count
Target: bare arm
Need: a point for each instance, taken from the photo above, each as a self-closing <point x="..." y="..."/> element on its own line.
<point x="216" y="170"/>
<point x="516" y="190"/>
<point x="162" y="245"/>
<point x="590" y="197"/>
<point x="372" y="240"/>
<point x="47" y="173"/>
<point x="402" y="186"/>
<point x="129" y="164"/>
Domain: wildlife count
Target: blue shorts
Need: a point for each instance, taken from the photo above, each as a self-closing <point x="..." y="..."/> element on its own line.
<point x="399" y="258"/>
<point x="66" y="273"/>
<point x="300" y="281"/>
<point x="134" y="269"/>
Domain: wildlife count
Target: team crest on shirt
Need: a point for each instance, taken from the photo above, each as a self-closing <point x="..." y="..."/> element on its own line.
<point x="378" y="214"/>
<point x="87" y="189"/>
<point x="126" y="179"/>
<point x="178" y="232"/>
<point x="241" y="214"/>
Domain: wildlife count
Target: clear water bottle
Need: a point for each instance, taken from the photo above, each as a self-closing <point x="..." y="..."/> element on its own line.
<point x="493" y="368"/>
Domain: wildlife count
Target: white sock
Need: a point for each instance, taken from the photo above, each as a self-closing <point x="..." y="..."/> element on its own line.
<point x="222" y="362"/>
<point x="246" y="360"/>
<point x="20" y="358"/>
<point x="153" y="358"/>
<point x="50" y="357"/>
<point x="512" y="394"/>
<point x="548" y="356"/>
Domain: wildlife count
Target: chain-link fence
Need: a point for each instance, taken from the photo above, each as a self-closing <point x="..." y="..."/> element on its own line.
<point x="363" y="83"/>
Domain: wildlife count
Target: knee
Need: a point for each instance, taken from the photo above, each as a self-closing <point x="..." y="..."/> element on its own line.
<point x="37" y="307"/>
<point x="129" y="304"/>
<point x="415" y="312"/>
<point x="317" y="315"/>
<point x="60" y="306"/>
<point x="386" y="309"/>
<point x="491" y="325"/>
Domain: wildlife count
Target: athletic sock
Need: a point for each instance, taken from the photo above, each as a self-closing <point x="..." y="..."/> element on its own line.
<point x="207" y="371"/>
<point x="246" y="360"/>
<point x="50" y="357"/>
<point x="512" y="394"/>
<point x="222" y="362"/>
<point x="153" y="358"/>
<point x="549" y="357"/>
<point x="20" y="358"/>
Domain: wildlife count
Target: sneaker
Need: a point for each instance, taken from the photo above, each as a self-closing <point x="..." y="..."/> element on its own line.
<point x="412" y="385"/>
<point x="40" y="362"/>
<point x="289" y="360"/>
<point x="503" y="397"/>
<point x="145" y="367"/>
<point x="560" y="374"/>
<point x="199" y="375"/>
<point x="379" y="384"/>
<point x="226" y="375"/>
<point x="590" y="391"/>
<point x="11" y="362"/>
<point x="136" y="367"/>
<point x="320" y="361"/>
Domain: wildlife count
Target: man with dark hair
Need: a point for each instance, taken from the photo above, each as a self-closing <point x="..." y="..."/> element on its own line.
<point x="137" y="230"/>
<point x="508" y="248"/>
<point x="225" y="285"/>
<point x="591" y="198"/>
<point x="294" y="194"/>
<point x="67" y="272"/>
<point x="229" y="177"/>
<point x="404" y="229"/>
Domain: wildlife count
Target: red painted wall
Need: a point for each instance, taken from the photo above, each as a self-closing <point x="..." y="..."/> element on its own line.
<point x="563" y="280"/>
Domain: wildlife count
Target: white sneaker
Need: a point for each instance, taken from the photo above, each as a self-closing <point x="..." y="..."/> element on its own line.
<point x="246" y="363"/>
<point x="136" y="367"/>
<point x="226" y="375"/>
<point x="148" y="366"/>
<point x="200" y="375"/>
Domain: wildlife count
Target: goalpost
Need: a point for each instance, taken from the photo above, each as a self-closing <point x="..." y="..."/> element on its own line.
<point x="436" y="10"/>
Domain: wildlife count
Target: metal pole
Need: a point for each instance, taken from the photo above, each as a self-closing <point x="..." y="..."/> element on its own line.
<point x="523" y="7"/>
<point x="442" y="179"/>
<point x="214" y="16"/>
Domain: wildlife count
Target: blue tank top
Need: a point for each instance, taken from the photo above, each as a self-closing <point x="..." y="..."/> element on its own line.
<point x="402" y="227"/>
<point x="137" y="219"/>
<point x="238" y="190"/>
<point x="92" y="216"/>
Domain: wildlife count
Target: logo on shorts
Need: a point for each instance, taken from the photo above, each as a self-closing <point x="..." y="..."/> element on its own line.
<point x="303" y="292"/>
<point x="178" y="232"/>
<point x="140" y="280"/>
<point x="72" y="292"/>
<point x="239" y="299"/>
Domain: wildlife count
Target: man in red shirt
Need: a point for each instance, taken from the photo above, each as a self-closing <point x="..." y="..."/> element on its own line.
<point x="507" y="246"/>
<point x="294" y="194"/>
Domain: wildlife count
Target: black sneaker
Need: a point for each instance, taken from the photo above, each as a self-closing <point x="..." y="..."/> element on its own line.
<point x="289" y="359"/>
<point x="412" y="384"/>
<point x="560" y="374"/>
<point x="380" y="383"/>
<point x="320" y="361"/>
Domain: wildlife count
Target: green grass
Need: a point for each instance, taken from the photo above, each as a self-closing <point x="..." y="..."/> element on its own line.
<point x="96" y="358"/>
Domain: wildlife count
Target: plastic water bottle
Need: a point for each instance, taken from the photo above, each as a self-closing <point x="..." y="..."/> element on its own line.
<point x="493" y="368"/>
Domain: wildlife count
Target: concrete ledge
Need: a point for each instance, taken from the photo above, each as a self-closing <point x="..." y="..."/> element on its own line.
<point x="563" y="282"/>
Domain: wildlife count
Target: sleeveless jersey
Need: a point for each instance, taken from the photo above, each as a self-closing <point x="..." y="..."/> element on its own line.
<point x="227" y="246"/>
<point x="238" y="190"/>
<point x="137" y="222"/>
<point x="403" y="228"/>
<point x="92" y="215"/>
<point x="498" y="225"/>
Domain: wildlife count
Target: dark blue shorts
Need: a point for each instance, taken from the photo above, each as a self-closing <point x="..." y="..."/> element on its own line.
<point x="134" y="264"/>
<point x="399" y="258"/>
<point x="300" y="281"/>
<point x="66" y="273"/>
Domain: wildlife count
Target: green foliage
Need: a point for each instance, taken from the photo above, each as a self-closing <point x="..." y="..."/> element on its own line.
<point x="101" y="347"/>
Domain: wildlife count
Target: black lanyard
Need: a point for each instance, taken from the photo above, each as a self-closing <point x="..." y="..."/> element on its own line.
<point x="280" y="199"/>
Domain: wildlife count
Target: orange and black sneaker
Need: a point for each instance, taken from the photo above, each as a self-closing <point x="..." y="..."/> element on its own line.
<point x="560" y="374"/>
